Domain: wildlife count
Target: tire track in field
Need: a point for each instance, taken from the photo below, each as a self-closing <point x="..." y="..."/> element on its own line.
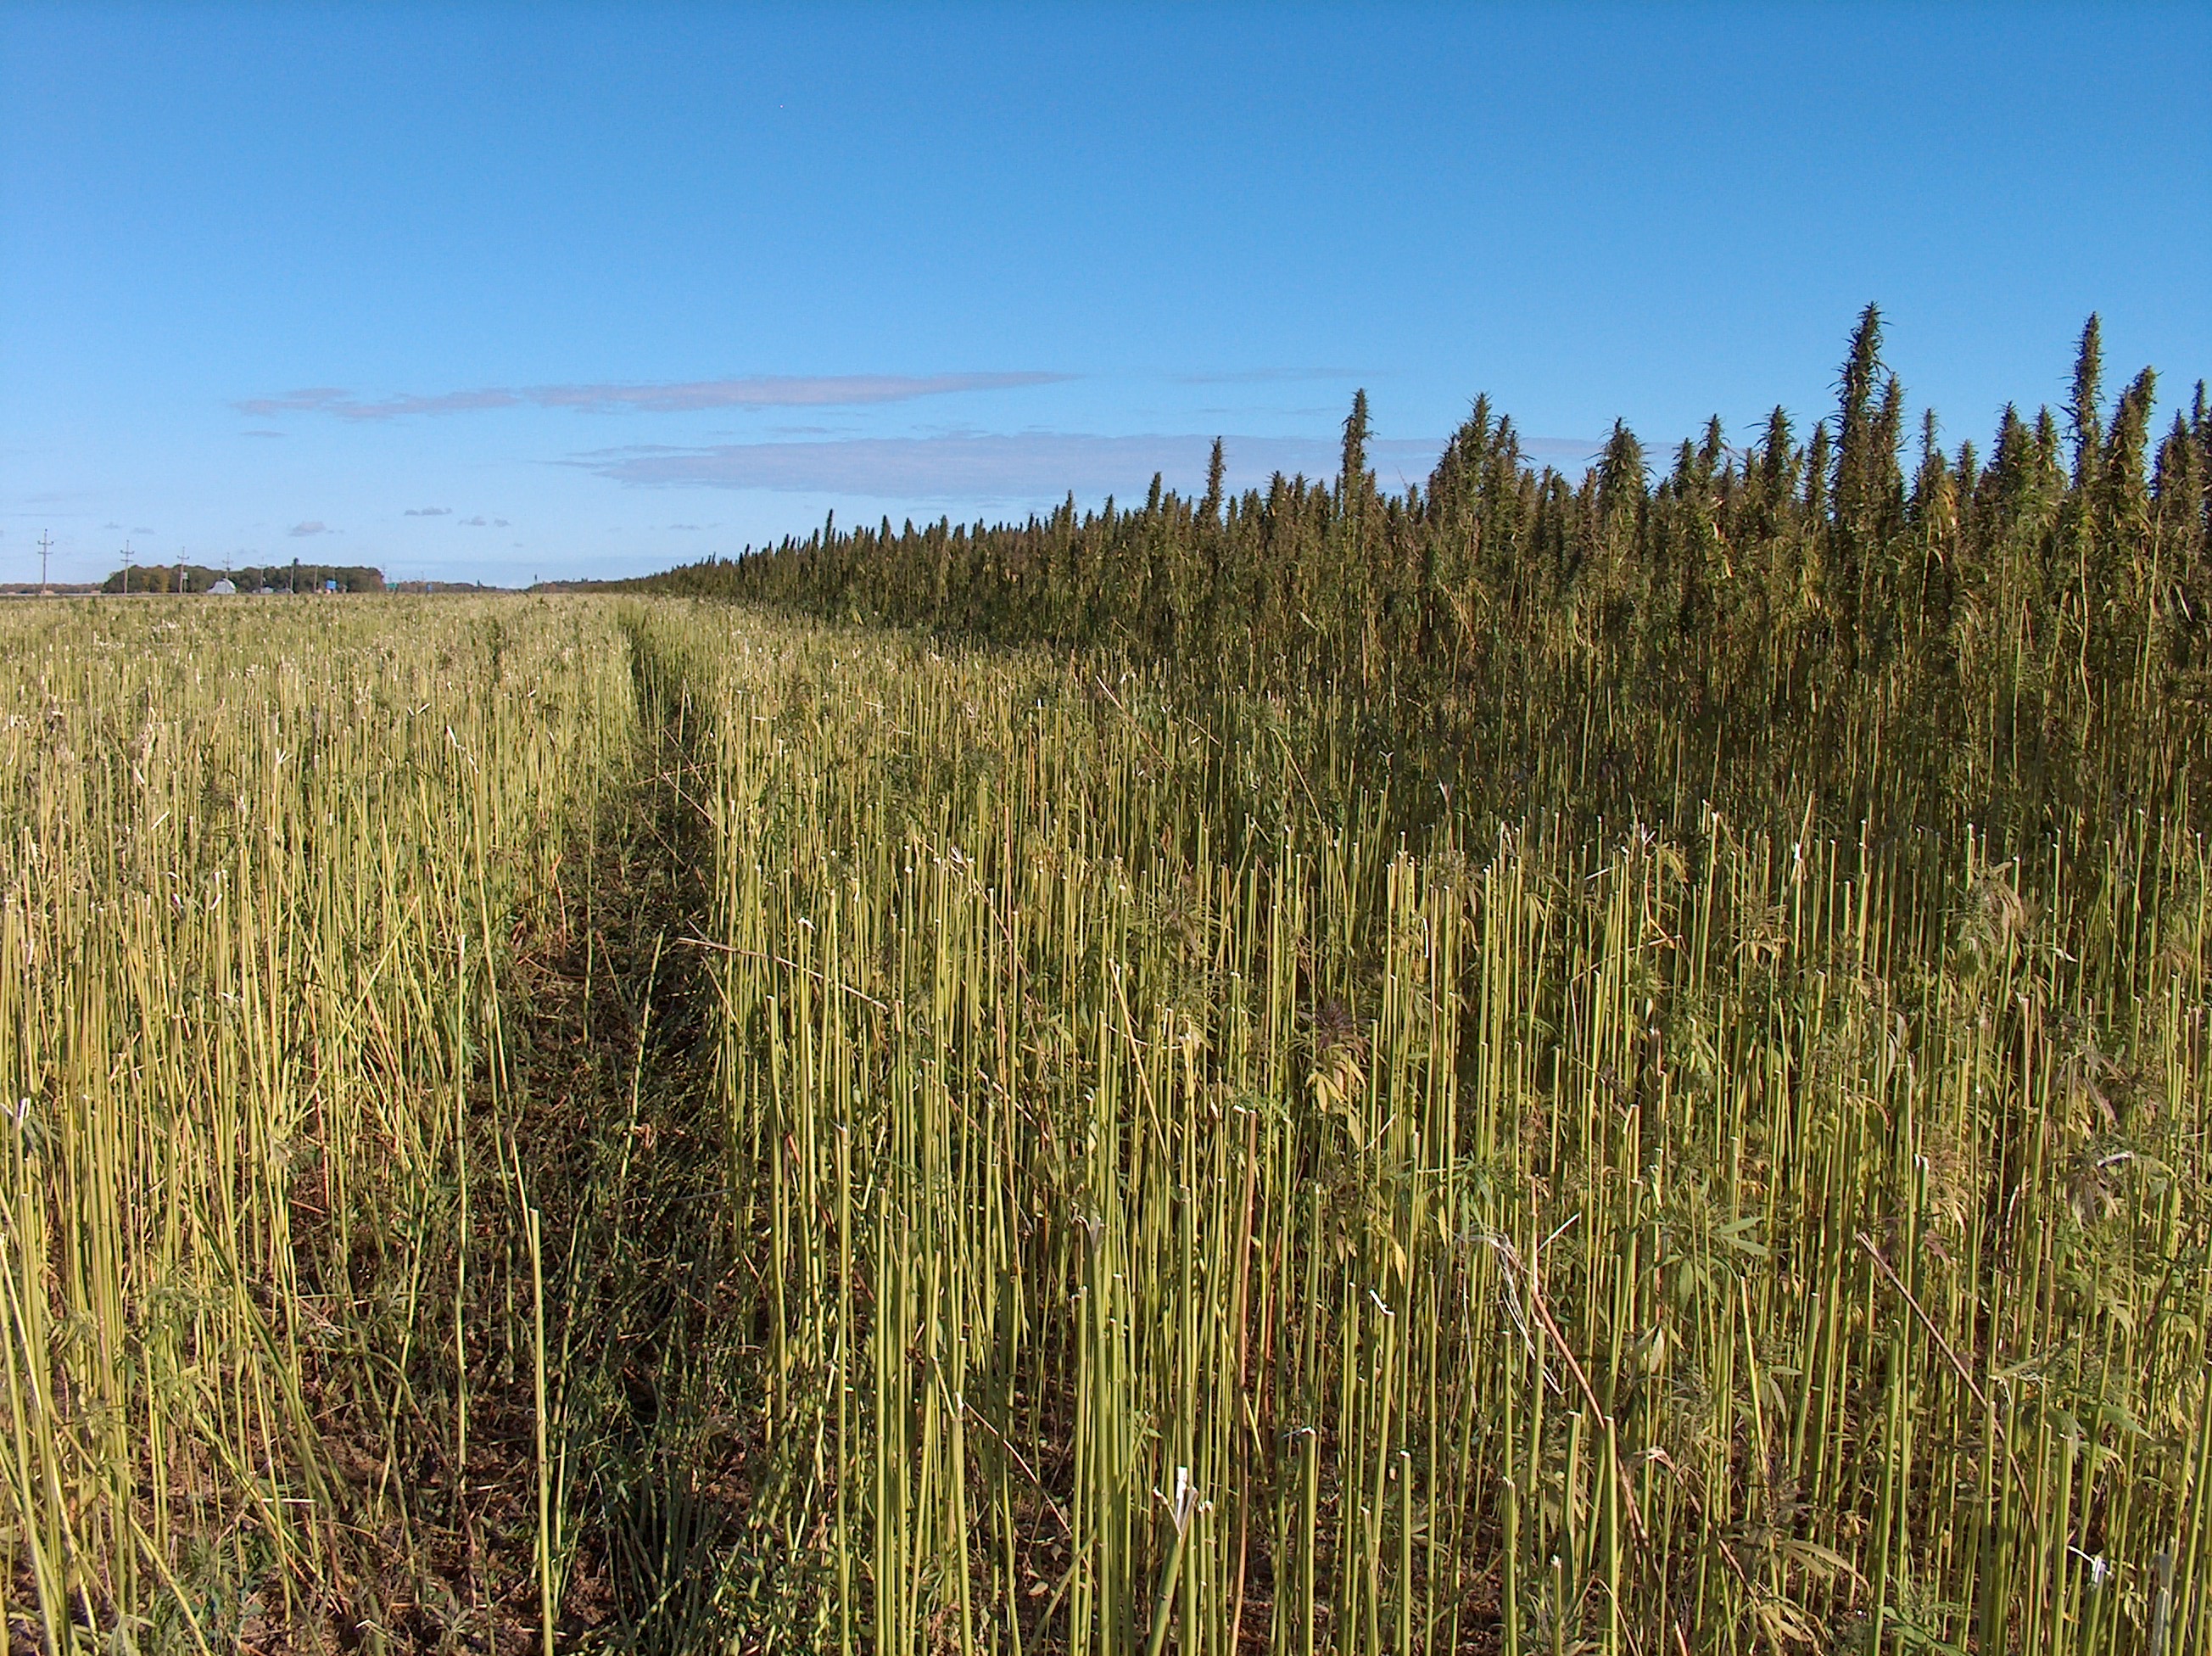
<point x="648" y="1291"/>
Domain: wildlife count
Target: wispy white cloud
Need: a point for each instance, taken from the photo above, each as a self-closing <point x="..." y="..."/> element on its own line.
<point x="783" y="391"/>
<point x="260" y="433"/>
<point x="482" y="522"/>
<point x="325" y="400"/>
<point x="1563" y="453"/>
<point x="686" y="396"/>
<point x="312" y="527"/>
<point x="429" y="511"/>
<point x="1028" y="467"/>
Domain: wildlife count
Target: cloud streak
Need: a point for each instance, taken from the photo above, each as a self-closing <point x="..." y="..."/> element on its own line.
<point x="1038" y="466"/>
<point x="678" y="397"/>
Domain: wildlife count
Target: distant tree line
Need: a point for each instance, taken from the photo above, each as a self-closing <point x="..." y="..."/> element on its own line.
<point x="275" y="577"/>
<point x="2078" y="530"/>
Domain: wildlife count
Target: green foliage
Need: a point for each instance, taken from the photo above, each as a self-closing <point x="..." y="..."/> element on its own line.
<point x="1795" y="565"/>
<point x="161" y="578"/>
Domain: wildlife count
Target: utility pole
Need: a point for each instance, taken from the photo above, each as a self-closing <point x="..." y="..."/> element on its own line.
<point x="126" y="568"/>
<point x="45" y="542"/>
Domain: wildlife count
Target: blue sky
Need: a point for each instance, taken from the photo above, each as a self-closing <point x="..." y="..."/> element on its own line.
<point x="481" y="291"/>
